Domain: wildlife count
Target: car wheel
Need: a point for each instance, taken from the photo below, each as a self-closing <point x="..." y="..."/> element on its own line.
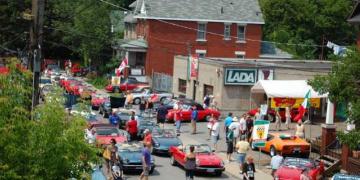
<point x="105" y="115"/>
<point x="100" y="111"/>
<point x="207" y="118"/>
<point x="137" y="101"/>
<point x="272" y="151"/>
<point x="162" y="99"/>
<point x="253" y="146"/>
<point x="219" y="173"/>
<point x="152" y="170"/>
<point x="172" y="161"/>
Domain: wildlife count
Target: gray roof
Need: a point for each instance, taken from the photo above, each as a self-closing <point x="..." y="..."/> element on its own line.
<point x="233" y="11"/>
<point x="355" y="14"/>
<point x="129" y="18"/>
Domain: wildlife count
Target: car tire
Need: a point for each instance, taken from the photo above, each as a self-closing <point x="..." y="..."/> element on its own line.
<point x="219" y="173"/>
<point x="207" y="118"/>
<point x="173" y="161"/>
<point x="137" y="101"/>
<point x="253" y="147"/>
<point x="152" y="170"/>
<point x="105" y="115"/>
<point x="272" y="151"/>
<point x="162" y="99"/>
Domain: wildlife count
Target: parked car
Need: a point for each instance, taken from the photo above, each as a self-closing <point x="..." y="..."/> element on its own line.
<point x="131" y="157"/>
<point x="203" y="114"/>
<point x="125" y="84"/>
<point x="169" y="102"/>
<point x="77" y="70"/>
<point x="156" y="96"/>
<point x="163" y="139"/>
<point x="105" y="134"/>
<point x="285" y="143"/>
<point x="125" y="116"/>
<point x="292" y="168"/>
<point x="78" y="109"/>
<point x="44" y="81"/>
<point x="142" y="125"/>
<point x="97" y="100"/>
<point x="206" y="160"/>
<point x="339" y="176"/>
<point x="105" y="109"/>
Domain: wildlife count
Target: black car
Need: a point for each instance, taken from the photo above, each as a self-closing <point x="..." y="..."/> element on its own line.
<point x="162" y="139"/>
<point x="105" y="109"/>
<point x="145" y="124"/>
<point x="131" y="157"/>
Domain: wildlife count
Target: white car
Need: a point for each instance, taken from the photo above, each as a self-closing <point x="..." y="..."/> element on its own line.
<point x="155" y="96"/>
<point x="44" y="81"/>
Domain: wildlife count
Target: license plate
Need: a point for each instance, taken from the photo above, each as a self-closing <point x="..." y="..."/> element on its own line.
<point x="297" y="149"/>
<point x="139" y="168"/>
<point x="210" y="170"/>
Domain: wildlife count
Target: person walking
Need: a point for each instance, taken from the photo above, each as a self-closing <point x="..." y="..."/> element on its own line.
<point x="147" y="136"/>
<point x="131" y="128"/>
<point x="242" y="147"/>
<point x="110" y="154"/>
<point x="227" y="122"/>
<point x="194" y="118"/>
<point x="190" y="163"/>
<point x="114" y="119"/>
<point x="210" y="124"/>
<point x="206" y="101"/>
<point x="300" y="130"/>
<point x="161" y="114"/>
<point x="276" y="162"/>
<point x="242" y="127"/>
<point x="146" y="161"/>
<point x="230" y="143"/>
<point x="249" y="169"/>
<point x="150" y="106"/>
<point x="288" y="117"/>
<point x="129" y="99"/>
<point x="177" y="119"/>
<point x="249" y="127"/>
<point x="277" y="120"/>
<point x="235" y="127"/>
<point x="215" y="133"/>
<point x="142" y="106"/>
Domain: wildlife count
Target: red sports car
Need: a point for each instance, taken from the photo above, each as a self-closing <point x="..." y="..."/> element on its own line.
<point x="127" y="84"/>
<point x="206" y="160"/>
<point x="203" y="114"/>
<point x="97" y="100"/>
<point x="292" y="168"/>
<point x="104" y="134"/>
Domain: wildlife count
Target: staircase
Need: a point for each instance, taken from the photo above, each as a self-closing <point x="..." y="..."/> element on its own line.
<point x="331" y="164"/>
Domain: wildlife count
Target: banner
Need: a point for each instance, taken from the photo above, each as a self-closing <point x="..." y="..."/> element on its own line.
<point x="260" y="132"/>
<point x="194" y="66"/>
<point x="265" y="74"/>
<point x="293" y="102"/>
<point x="115" y="80"/>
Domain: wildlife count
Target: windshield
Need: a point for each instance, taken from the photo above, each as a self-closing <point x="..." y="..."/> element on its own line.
<point x="147" y="123"/>
<point x="107" y="131"/>
<point x="167" y="133"/>
<point x="199" y="149"/>
<point x="298" y="162"/>
<point x="129" y="148"/>
<point x="45" y="81"/>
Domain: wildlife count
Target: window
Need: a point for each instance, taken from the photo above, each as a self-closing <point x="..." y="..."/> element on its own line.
<point x="227" y="31"/>
<point x="241" y="33"/>
<point x="182" y="86"/>
<point x="201" y="33"/>
<point x="200" y="53"/>
<point x="240" y="54"/>
<point x="208" y="90"/>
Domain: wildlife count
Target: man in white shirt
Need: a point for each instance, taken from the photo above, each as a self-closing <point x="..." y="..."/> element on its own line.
<point x="235" y="126"/>
<point x="242" y="126"/>
<point x="276" y="162"/>
<point x="215" y="131"/>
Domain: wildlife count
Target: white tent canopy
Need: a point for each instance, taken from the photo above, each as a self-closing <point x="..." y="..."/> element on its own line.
<point x="285" y="89"/>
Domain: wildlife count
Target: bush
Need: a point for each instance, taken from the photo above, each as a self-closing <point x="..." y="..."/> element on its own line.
<point x="98" y="82"/>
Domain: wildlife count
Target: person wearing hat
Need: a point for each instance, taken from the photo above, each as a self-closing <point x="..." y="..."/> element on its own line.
<point x="235" y="127"/>
<point x="249" y="169"/>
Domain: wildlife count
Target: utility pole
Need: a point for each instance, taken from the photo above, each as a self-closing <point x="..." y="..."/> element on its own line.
<point x="36" y="37"/>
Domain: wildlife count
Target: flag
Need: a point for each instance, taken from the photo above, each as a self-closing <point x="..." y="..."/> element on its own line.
<point x="122" y="66"/>
<point x="305" y="104"/>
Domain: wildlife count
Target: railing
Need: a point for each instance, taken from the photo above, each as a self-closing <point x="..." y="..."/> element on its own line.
<point x="334" y="149"/>
<point x="354" y="165"/>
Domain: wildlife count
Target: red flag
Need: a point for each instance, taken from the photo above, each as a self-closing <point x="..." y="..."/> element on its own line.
<point x="122" y="66"/>
<point x="302" y="108"/>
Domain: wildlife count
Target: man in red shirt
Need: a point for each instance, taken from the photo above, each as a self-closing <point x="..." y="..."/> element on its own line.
<point x="147" y="137"/>
<point x="131" y="127"/>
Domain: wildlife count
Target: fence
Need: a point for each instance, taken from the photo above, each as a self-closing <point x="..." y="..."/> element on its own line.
<point x="162" y="82"/>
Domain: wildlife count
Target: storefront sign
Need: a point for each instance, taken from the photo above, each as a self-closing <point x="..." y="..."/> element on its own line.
<point x="194" y="65"/>
<point x="240" y="76"/>
<point x="293" y="102"/>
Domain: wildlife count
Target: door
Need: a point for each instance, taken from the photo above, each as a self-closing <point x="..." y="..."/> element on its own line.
<point x="194" y="89"/>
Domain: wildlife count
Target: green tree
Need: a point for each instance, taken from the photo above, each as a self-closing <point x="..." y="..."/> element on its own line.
<point x="51" y="146"/>
<point x="306" y="23"/>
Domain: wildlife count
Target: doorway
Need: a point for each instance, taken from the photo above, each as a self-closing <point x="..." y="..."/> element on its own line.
<point x="195" y="83"/>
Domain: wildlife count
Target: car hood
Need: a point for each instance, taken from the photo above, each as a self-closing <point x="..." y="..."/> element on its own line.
<point x="131" y="157"/>
<point x="208" y="159"/>
<point x="285" y="172"/>
<point x="106" y="139"/>
<point x="167" y="142"/>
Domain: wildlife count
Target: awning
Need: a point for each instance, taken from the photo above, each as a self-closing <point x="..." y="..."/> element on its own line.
<point x="285" y="88"/>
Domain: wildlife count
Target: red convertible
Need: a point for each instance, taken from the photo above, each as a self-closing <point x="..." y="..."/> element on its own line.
<point x="292" y="168"/>
<point x="206" y="160"/>
<point x="203" y="114"/>
<point x="104" y="134"/>
<point x="127" y="84"/>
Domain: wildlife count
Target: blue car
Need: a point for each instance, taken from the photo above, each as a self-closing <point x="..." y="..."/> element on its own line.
<point x="145" y="124"/>
<point x="162" y="139"/>
<point x="131" y="157"/>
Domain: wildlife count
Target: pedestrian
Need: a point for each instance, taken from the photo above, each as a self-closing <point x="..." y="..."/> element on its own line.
<point x="150" y="106"/>
<point x="131" y="128"/>
<point x="230" y="144"/>
<point x="111" y="154"/>
<point x="227" y="122"/>
<point x="257" y="115"/>
<point x="276" y="162"/>
<point x="287" y="116"/>
<point x="215" y="133"/>
<point x="146" y="161"/>
<point x="213" y="103"/>
<point x="177" y="119"/>
<point x="243" y="128"/>
<point x="161" y="115"/>
<point x="242" y="147"/>
<point x="304" y="174"/>
<point x="235" y="127"/>
<point x="249" y="169"/>
<point x="249" y="127"/>
<point x="210" y="124"/>
<point x="206" y="101"/>
<point x="114" y="119"/>
<point x="190" y="163"/>
<point x="91" y="138"/>
<point x="194" y="118"/>
<point x="277" y="120"/>
<point x="300" y="129"/>
<point x="142" y="106"/>
<point x="147" y="136"/>
<point x="129" y="99"/>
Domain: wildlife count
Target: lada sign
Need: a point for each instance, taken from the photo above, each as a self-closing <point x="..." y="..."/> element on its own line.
<point x="240" y="76"/>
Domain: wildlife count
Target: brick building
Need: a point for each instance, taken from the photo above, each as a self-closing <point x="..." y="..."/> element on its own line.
<point x="157" y="30"/>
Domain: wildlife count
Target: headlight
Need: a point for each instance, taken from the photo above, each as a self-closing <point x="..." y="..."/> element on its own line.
<point x="126" y="161"/>
<point x="156" y="144"/>
<point x="222" y="164"/>
<point x="197" y="162"/>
